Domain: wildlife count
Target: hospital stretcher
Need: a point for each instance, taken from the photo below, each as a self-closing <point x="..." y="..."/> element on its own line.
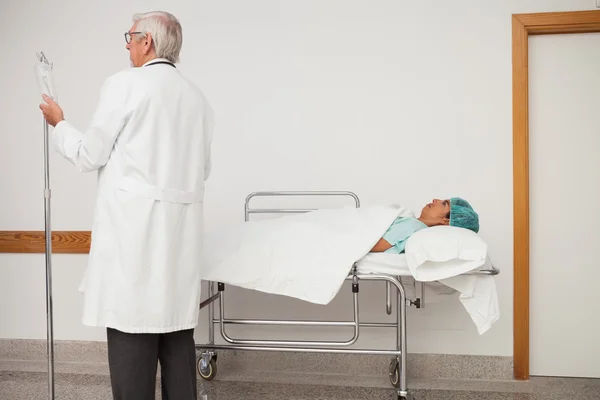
<point x="395" y="291"/>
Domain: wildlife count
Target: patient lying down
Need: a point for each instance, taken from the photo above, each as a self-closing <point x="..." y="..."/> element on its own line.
<point x="454" y="212"/>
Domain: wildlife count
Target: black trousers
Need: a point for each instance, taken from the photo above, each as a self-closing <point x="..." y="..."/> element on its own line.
<point x="133" y="361"/>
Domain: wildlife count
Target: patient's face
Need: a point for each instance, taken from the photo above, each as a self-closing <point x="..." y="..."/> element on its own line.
<point x="436" y="210"/>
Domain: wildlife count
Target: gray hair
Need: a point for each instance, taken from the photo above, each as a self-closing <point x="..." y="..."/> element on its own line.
<point x="165" y="30"/>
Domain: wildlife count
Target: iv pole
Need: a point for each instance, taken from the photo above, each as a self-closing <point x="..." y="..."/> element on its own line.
<point x="48" y="236"/>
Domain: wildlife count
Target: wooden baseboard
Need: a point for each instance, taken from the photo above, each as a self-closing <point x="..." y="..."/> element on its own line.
<point x="77" y="242"/>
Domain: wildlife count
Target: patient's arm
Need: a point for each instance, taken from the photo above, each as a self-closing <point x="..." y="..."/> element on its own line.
<point x="381" y="246"/>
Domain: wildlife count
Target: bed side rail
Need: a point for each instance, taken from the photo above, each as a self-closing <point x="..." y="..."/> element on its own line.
<point x="487" y="269"/>
<point x="249" y="210"/>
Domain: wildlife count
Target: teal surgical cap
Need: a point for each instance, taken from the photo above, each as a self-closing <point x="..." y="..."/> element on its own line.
<point x="462" y="215"/>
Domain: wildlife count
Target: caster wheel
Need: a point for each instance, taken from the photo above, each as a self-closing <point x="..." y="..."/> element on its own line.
<point x="394" y="373"/>
<point x="207" y="369"/>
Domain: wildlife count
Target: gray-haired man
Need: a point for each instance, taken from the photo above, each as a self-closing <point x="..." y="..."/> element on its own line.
<point x="150" y="141"/>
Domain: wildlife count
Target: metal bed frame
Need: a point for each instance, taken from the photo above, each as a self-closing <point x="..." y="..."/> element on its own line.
<point x="207" y="359"/>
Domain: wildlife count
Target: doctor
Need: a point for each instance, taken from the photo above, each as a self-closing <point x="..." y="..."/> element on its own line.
<point x="149" y="140"/>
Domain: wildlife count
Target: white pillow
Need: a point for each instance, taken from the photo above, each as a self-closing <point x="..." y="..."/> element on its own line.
<point x="441" y="252"/>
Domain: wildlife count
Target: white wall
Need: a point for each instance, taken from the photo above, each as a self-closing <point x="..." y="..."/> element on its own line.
<point x="397" y="101"/>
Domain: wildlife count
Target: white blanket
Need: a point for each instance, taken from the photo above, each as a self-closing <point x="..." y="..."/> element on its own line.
<point x="306" y="256"/>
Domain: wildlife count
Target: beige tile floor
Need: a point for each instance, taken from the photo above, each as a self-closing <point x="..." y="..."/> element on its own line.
<point x="16" y="385"/>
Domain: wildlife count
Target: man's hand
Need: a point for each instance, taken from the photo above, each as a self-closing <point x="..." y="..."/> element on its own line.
<point x="52" y="111"/>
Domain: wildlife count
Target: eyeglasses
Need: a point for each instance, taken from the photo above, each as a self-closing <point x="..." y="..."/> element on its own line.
<point x="128" y="36"/>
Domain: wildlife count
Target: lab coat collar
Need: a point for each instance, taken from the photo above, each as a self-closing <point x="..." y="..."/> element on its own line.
<point x="158" y="59"/>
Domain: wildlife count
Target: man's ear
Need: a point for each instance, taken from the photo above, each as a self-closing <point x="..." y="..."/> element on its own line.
<point x="148" y="42"/>
<point x="446" y="221"/>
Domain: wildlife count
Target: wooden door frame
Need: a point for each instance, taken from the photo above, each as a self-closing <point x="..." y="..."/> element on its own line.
<point x="524" y="25"/>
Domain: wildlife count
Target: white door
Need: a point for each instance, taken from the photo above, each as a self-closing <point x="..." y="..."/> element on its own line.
<point x="564" y="104"/>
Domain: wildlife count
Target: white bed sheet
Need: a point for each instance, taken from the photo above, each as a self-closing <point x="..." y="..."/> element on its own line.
<point x="478" y="293"/>
<point x="393" y="264"/>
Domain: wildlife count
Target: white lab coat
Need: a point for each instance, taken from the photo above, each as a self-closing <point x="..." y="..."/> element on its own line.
<point x="150" y="141"/>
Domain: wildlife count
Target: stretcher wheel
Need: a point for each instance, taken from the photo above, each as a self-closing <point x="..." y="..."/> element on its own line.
<point x="207" y="370"/>
<point x="394" y="373"/>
